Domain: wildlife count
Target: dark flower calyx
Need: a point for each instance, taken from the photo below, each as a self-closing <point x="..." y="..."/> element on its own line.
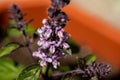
<point x="52" y="12"/>
<point x="59" y="3"/>
<point x="16" y="13"/>
<point x="59" y="18"/>
<point x="62" y="16"/>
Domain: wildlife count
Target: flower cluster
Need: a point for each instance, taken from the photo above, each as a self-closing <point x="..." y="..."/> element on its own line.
<point x="17" y="16"/>
<point x="99" y="70"/>
<point x="52" y="42"/>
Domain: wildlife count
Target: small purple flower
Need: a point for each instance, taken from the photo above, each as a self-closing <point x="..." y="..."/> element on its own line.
<point x="47" y="33"/>
<point x="40" y="30"/>
<point x="45" y="22"/>
<point x="36" y="54"/>
<point x="43" y="63"/>
<point x="42" y="42"/>
<point x="52" y="47"/>
<point x="65" y="45"/>
<point x="55" y="63"/>
<point x="45" y="60"/>
<point x="59" y="31"/>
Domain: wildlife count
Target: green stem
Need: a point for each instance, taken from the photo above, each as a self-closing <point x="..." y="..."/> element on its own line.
<point x="46" y="75"/>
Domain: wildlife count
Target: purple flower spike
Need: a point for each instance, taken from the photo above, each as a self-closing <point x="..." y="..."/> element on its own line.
<point x="52" y="44"/>
<point x="18" y="17"/>
<point x="52" y="41"/>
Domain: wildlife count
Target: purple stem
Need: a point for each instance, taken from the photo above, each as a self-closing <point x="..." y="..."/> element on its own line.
<point x="58" y="76"/>
<point x="28" y="45"/>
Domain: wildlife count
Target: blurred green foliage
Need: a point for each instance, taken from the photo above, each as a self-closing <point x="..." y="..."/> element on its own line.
<point x="14" y="32"/>
<point x="8" y="69"/>
<point x="8" y="49"/>
<point x="90" y="59"/>
<point x="64" y="68"/>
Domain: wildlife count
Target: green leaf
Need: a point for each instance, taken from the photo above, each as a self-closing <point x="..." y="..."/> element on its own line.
<point x="68" y="51"/>
<point x="90" y="59"/>
<point x="50" y="72"/>
<point x="64" y="68"/>
<point x="30" y="73"/>
<point x="11" y="23"/>
<point x="30" y="30"/>
<point x="13" y="32"/>
<point x="8" y="49"/>
<point x="8" y="69"/>
<point x="66" y="77"/>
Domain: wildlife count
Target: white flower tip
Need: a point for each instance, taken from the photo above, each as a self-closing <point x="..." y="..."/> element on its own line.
<point x="44" y="21"/>
<point x="49" y="60"/>
<point x="34" y="53"/>
<point x="39" y="43"/>
<point x="43" y="63"/>
<point x="55" y="66"/>
<point x="39" y="30"/>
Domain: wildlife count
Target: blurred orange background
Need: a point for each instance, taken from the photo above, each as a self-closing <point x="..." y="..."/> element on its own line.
<point x="84" y="28"/>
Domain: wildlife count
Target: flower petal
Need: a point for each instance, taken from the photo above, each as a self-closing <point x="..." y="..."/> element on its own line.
<point x="39" y="31"/>
<point x="49" y="60"/>
<point x="48" y="33"/>
<point x="44" y="21"/>
<point x="39" y="43"/>
<point x="52" y="49"/>
<point x="45" y="44"/>
<point x="60" y="33"/>
<point x="65" y="45"/>
<point x="55" y="63"/>
<point x="35" y="54"/>
<point x="43" y="63"/>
